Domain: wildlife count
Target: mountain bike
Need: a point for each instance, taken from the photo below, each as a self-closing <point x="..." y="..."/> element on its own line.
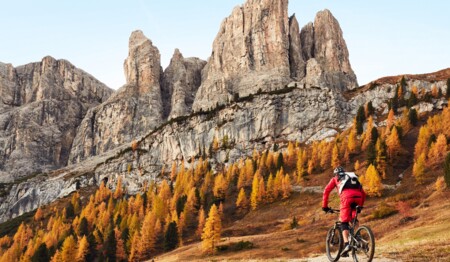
<point x="362" y="241"/>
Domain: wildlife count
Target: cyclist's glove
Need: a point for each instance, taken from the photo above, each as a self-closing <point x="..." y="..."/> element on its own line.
<point x="326" y="209"/>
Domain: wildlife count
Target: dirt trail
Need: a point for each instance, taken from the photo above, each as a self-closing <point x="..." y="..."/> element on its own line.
<point x="346" y="259"/>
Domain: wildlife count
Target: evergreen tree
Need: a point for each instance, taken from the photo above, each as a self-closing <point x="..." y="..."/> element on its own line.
<point x="254" y="202"/>
<point x="212" y="231"/>
<point x="393" y="143"/>
<point x="419" y="169"/>
<point x="171" y="236"/>
<point x="372" y="182"/>
<point x="371" y="154"/>
<point x="390" y="120"/>
<point x="370" y="109"/>
<point x="360" y="118"/>
<point x="83" y="229"/>
<point x="412" y="116"/>
<point x="447" y="166"/>
<point x="110" y="246"/>
<point x="82" y="249"/>
<point x="201" y="221"/>
<point x="280" y="161"/>
<point x="68" y="251"/>
<point x="41" y="254"/>
<point x="447" y="93"/>
<point x="374" y="135"/>
<point x="335" y="159"/>
<point x="242" y="201"/>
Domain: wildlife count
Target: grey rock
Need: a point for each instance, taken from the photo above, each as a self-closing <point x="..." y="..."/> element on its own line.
<point x="41" y="108"/>
<point x="330" y="50"/>
<point x="180" y="83"/>
<point x="307" y="41"/>
<point x="296" y="62"/>
<point x="250" y="52"/>
<point x="131" y="112"/>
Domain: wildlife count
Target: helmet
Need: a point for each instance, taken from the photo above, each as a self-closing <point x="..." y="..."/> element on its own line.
<point x="338" y="170"/>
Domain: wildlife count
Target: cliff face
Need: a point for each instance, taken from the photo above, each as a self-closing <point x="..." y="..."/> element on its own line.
<point x="266" y="81"/>
<point x="181" y="80"/>
<point x="41" y="106"/>
<point x="133" y="110"/>
<point x="250" y="52"/>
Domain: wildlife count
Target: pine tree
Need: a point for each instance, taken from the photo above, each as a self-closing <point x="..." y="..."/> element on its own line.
<point x="438" y="150"/>
<point x="393" y="144"/>
<point x="201" y="221"/>
<point x="110" y="246"/>
<point x="40" y="255"/>
<point x="261" y="191"/>
<point x="371" y="154"/>
<point x="360" y="118"/>
<point x="121" y="254"/>
<point x="352" y="144"/>
<point x="212" y="231"/>
<point x="447" y="93"/>
<point x="254" y="195"/>
<point x="335" y="159"/>
<point x="447" y="166"/>
<point x="83" y="229"/>
<point x="419" y="169"/>
<point x="287" y="187"/>
<point x="69" y="250"/>
<point x="82" y="250"/>
<point x="412" y="116"/>
<point x="390" y="121"/>
<point x="372" y="182"/>
<point x="171" y="237"/>
<point x="148" y="236"/>
<point x="270" y="189"/>
<point x="38" y="215"/>
<point x="368" y="134"/>
<point x="242" y="202"/>
<point x="380" y="148"/>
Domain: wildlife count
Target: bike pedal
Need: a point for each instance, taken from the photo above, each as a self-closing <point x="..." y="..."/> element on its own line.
<point x="344" y="255"/>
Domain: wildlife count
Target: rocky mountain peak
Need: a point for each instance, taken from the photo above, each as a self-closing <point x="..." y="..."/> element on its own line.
<point x="250" y="52"/>
<point x="143" y="65"/>
<point x="330" y="50"/>
<point x="180" y="83"/>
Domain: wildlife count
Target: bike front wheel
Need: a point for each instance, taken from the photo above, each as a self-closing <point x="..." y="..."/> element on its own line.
<point x="334" y="244"/>
<point x="364" y="246"/>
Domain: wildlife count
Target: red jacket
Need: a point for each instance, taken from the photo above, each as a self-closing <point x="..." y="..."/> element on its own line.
<point x="346" y="193"/>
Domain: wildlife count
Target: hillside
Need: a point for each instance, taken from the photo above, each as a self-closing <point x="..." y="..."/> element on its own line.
<point x="405" y="213"/>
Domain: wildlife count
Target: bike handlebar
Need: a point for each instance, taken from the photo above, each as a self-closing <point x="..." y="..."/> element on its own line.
<point x="332" y="211"/>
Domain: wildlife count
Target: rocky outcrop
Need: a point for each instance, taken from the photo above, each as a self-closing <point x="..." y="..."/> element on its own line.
<point x="307" y="41"/>
<point x="330" y="50"/>
<point x="296" y="61"/>
<point x="294" y="113"/>
<point x="41" y="107"/>
<point x="132" y="111"/>
<point x="250" y="53"/>
<point x="180" y="83"/>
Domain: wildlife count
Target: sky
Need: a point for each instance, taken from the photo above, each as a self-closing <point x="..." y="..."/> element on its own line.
<point x="383" y="37"/>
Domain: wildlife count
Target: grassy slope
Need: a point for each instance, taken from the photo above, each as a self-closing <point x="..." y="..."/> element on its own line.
<point x="425" y="238"/>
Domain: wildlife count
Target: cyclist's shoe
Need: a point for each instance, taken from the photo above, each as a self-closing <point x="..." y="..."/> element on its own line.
<point x="345" y="251"/>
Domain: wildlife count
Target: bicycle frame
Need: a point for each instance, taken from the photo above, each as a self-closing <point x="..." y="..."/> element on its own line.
<point x="352" y="240"/>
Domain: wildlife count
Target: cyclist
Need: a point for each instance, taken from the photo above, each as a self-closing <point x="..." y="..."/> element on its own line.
<point x="351" y="194"/>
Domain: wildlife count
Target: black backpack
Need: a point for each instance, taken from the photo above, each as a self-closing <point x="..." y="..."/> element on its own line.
<point x="350" y="181"/>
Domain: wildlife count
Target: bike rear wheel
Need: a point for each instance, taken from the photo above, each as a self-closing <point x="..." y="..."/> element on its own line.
<point x="334" y="244"/>
<point x="365" y="245"/>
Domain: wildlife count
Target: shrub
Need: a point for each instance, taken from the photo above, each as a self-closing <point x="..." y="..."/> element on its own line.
<point x="383" y="211"/>
<point x="294" y="223"/>
<point x="404" y="208"/>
